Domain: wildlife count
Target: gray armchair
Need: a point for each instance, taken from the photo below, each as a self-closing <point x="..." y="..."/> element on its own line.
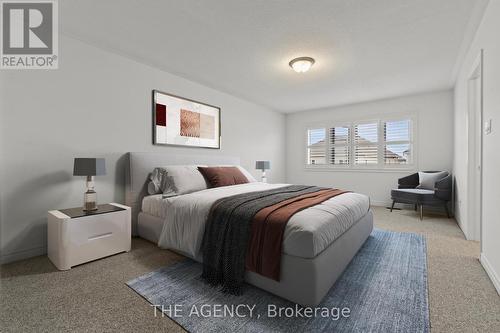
<point x="408" y="193"/>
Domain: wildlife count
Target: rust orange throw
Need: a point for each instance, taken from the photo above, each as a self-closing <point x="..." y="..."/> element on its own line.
<point x="268" y="227"/>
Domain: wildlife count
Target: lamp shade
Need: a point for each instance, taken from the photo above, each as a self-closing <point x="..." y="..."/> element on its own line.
<point x="262" y="165"/>
<point x="89" y="167"/>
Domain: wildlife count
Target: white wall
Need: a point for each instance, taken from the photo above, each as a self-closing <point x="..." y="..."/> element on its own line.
<point x="99" y="104"/>
<point x="433" y="142"/>
<point x="2" y="154"/>
<point x="487" y="39"/>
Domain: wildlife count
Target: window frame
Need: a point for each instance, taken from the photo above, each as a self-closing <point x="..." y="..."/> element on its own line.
<point x="309" y="128"/>
<point x="410" y="141"/>
<point x="381" y="166"/>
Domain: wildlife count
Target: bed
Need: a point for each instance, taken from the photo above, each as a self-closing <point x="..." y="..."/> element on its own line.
<point x="319" y="242"/>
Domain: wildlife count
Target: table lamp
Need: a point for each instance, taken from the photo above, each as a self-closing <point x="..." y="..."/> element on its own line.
<point x="263" y="165"/>
<point x="89" y="167"/>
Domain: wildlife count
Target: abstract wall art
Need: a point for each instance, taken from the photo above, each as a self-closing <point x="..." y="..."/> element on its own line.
<point x="183" y="122"/>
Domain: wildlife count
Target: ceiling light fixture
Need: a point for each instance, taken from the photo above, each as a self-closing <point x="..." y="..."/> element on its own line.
<point x="302" y="64"/>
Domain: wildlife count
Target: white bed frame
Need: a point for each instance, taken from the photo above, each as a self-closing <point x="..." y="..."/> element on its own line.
<point x="303" y="281"/>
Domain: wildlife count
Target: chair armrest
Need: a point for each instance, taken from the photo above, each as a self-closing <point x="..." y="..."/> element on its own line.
<point x="444" y="183"/>
<point x="410" y="181"/>
<point x="443" y="188"/>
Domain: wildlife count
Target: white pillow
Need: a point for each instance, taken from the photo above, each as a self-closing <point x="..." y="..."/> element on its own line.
<point x="248" y="175"/>
<point x="428" y="179"/>
<point x="183" y="179"/>
<point x="175" y="180"/>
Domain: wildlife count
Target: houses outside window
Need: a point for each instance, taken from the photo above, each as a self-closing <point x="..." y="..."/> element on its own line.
<point x="374" y="144"/>
<point x="316" y="146"/>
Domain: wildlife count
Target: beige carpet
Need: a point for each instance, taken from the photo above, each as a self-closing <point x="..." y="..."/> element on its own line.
<point x="93" y="297"/>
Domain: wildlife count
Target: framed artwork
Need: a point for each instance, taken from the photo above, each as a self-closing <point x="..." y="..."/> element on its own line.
<point x="180" y="121"/>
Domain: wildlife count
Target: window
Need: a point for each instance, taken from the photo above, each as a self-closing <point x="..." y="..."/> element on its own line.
<point x="378" y="144"/>
<point x="366" y="144"/>
<point x="316" y="146"/>
<point x="397" y="144"/>
<point x="339" y="145"/>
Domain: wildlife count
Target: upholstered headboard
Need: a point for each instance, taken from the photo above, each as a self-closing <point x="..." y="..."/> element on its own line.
<point x="141" y="164"/>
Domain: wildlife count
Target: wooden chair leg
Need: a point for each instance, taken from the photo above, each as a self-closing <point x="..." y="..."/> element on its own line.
<point x="392" y="207"/>
<point x="447" y="211"/>
<point x="421" y="212"/>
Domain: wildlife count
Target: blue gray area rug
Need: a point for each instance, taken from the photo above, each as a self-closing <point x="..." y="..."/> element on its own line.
<point x="384" y="289"/>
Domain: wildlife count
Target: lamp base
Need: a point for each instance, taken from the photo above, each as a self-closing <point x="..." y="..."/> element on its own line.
<point x="90" y="197"/>
<point x="90" y="201"/>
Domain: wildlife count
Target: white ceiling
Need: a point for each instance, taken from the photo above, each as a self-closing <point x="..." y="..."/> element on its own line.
<point x="364" y="49"/>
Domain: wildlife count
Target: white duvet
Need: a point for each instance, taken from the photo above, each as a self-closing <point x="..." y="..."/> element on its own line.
<point x="307" y="233"/>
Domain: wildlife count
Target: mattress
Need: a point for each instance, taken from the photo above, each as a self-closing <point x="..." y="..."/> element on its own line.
<point x="307" y="234"/>
<point x="152" y="205"/>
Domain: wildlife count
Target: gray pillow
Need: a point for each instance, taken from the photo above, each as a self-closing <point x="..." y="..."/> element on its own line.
<point x="153" y="188"/>
<point x="157" y="180"/>
<point x="428" y="179"/>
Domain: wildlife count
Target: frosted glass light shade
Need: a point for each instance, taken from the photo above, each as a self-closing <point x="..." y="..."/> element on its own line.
<point x="302" y="64"/>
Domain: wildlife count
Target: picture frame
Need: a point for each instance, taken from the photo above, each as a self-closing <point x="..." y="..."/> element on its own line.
<point x="180" y="121"/>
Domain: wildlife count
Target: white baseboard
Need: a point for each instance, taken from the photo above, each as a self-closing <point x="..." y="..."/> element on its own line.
<point x="491" y="273"/>
<point x="465" y="230"/>
<point x="380" y="203"/>
<point x="462" y="226"/>
<point x="24" y="254"/>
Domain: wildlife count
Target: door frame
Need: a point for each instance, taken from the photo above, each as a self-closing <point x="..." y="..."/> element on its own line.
<point x="475" y="150"/>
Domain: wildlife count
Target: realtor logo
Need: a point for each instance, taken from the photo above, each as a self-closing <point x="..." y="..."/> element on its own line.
<point x="29" y="35"/>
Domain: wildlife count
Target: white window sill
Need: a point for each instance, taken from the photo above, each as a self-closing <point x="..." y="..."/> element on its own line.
<point x="327" y="168"/>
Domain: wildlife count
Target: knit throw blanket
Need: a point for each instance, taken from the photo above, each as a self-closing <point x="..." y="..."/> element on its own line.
<point x="228" y="230"/>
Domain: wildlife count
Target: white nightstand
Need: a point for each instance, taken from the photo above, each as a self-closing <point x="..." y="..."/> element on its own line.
<point x="76" y="236"/>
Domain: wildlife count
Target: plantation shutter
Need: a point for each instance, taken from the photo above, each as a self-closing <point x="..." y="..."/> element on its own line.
<point x="339" y="145"/>
<point x="366" y="143"/>
<point x="397" y="144"/>
<point x="316" y="146"/>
